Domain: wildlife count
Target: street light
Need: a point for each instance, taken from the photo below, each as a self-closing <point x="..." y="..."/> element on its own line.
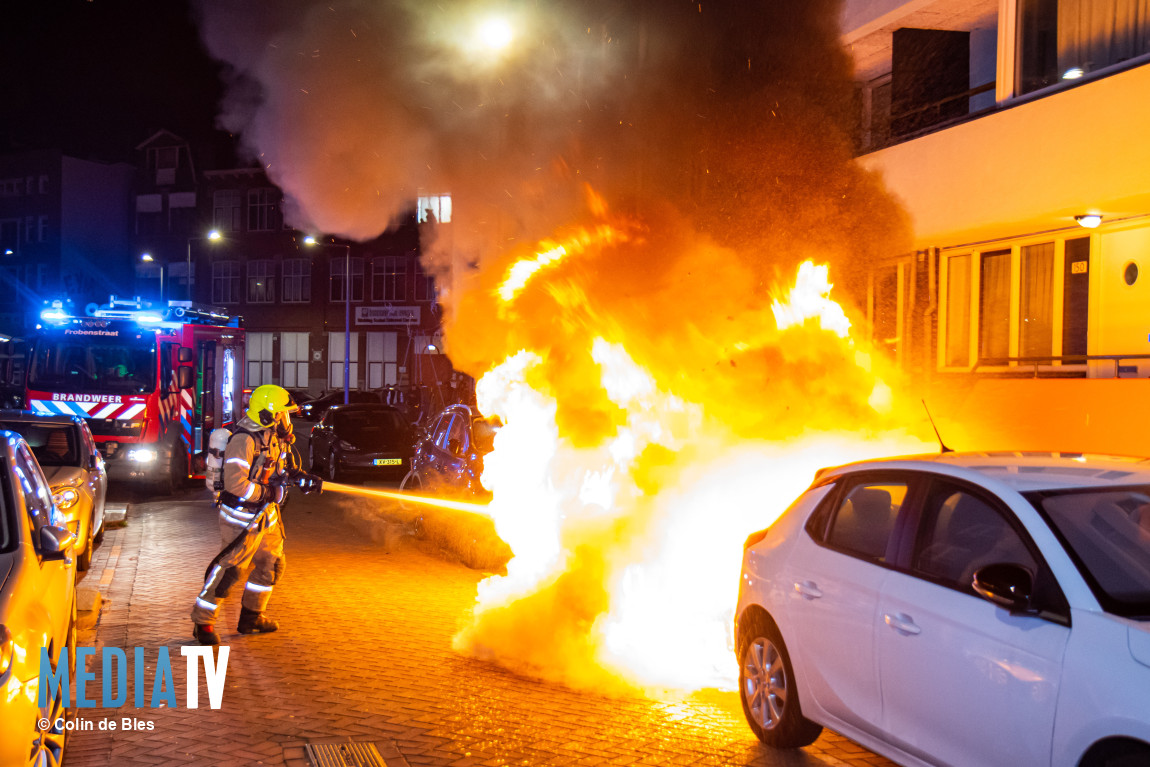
<point x="214" y="236"/>
<point x="312" y="241"/>
<point x="147" y="259"/>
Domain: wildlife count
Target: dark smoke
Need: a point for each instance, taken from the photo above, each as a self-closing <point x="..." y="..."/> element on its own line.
<point x="736" y="113"/>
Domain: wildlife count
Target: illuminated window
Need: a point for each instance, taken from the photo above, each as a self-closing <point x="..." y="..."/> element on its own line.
<point x="434" y="209"/>
<point x="258" y="347"/>
<point x="261" y="282"/>
<point x="958" y="311"/>
<point x="1062" y="40"/>
<point x="1036" y="301"/>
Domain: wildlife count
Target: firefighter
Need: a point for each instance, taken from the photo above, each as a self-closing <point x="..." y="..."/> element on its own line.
<point x="259" y="464"/>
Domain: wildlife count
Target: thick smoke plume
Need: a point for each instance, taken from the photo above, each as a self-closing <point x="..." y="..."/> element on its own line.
<point x="687" y="157"/>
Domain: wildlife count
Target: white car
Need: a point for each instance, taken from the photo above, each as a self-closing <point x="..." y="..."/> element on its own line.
<point x="959" y="609"/>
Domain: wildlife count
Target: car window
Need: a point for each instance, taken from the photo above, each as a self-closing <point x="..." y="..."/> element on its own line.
<point x="8" y="528"/>
<point x="1107" y="532"/>
<point x="52" y="444"/>
<point x="37" y="497"/>
<point x="439" y="434"/>
<point x="960" y="532"/>
<point x="865" y="518"/>
<point x="327" y="418"/>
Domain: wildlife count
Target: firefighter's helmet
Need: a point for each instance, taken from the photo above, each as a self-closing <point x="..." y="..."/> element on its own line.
<point x="270" y="403"/>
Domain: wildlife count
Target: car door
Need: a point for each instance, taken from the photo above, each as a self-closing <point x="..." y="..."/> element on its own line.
<point x="433" y="452"/>
<point x="963" y="681"/>
<point x="52" y="582"/>
<point x="834" y="578"/>
<point x="321" y="437"/>
<point x="97" y="477"/>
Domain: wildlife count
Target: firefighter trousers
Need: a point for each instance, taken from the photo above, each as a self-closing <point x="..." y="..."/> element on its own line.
<point x="256" y="560"/>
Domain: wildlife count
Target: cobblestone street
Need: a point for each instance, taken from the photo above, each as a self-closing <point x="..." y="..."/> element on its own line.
<point x="364" y="654"/>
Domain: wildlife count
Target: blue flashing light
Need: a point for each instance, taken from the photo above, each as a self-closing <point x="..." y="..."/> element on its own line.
<point x="53" y="315"/>
<point x="148" y="317"/>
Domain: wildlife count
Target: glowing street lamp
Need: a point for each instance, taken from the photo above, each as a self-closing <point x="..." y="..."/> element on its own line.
<point x="312" y="241"/>
<point x="213" y="236"/>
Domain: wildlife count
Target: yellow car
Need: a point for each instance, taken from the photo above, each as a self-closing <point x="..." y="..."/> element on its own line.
<point x="37" y="607"/>
<point x="66" y="451"/>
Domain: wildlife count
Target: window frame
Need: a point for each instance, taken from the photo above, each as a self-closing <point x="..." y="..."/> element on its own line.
<point x="819" y="523"/>
<point x="290" y="280"/>
<point x="233" y="281"/>
<point x="252" y="295"/>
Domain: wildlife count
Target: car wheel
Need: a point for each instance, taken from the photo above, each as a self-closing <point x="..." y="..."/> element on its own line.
<point x="768" y="692"/>
<point x="410" y="483"/>
<point x="313" y="464"/>
<point x="98" y="538"/>
<point x="333" y="472"/>
<point x="48" y="744"/>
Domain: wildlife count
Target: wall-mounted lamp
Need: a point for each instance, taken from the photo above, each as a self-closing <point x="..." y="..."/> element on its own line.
<point x="1073" y="73"/>
<point x="1089" y="220"/>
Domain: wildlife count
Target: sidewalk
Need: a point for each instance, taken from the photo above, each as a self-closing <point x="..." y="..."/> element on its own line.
<point x="363" y="654"/>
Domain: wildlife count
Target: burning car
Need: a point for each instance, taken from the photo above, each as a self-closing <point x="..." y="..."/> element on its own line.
<point x="956" y="609"/>
<point x="449" y="461"/>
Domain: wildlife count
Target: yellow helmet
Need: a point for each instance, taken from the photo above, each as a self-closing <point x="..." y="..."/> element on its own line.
<point x="268" y="402"/>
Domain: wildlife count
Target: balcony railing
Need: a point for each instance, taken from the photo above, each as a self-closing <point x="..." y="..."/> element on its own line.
<point x="1057" y="365"/>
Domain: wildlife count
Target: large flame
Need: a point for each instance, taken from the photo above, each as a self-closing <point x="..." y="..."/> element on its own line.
<point x="627" y="519"/>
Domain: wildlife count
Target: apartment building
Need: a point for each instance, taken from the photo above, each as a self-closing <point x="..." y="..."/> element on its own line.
<point x="218" y="236"/>
<point x="1013" y="133"/>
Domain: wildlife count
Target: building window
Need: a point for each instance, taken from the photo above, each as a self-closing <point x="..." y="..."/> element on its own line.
<point x="1062" y="40"/>
<point x="226" y="282"/>
<point x="226" y="207"/>
<point x="11" y="187"/>
<point x="259" y="355"/>
<point x="294" y="353"/>
<point x="261" y="282"/>
<point x="42" y="230"/>
<point x="44" y="183"/>
<point x="296" y="281"/>
<point x="29" y="227"/>
<point x="434" y="209"/>
<point x="994" y="306"/>
<point x="424" y="284"/>
<point x="338" y="269"/>
<point x="178" y="279"/>
<point x="261" y="210"/>
<point x="1036" y="301"/>
<point x="957" y="311"/>
<point x="389" y="279"/>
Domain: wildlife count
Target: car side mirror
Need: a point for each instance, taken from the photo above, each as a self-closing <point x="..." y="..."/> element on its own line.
<point x="93" y="462"/>
<point x="184" y="355"/>
<point x="1006" y="585"/>
<point x="185" y="377"/>
<point x="55" y="542"/>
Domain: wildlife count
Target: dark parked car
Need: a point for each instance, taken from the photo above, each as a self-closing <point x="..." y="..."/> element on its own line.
<point x="360" y="440"/>
<point x="314" y="409"/>
<point x="449" y="459"/>
<point x="67" y="452"/>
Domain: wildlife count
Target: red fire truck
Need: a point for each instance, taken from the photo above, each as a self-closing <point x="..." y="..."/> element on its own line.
<point x="151" y="383"/>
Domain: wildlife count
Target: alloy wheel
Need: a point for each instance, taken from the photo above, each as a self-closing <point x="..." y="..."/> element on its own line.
<point x="765" y="683"/>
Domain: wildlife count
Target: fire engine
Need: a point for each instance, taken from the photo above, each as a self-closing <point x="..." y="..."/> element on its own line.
<point x="152" y="383"/>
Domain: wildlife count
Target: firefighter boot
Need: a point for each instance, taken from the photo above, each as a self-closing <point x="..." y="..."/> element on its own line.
<point x="253" y="622"/>
<point x="204" y="633"/>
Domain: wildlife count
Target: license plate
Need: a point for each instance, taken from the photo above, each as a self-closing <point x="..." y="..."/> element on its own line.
<point x="387" y="461"/>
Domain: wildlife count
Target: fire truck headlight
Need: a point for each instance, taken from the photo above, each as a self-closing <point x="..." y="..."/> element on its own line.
<point x="66" y="498"/>
<point x="141" y="455"/>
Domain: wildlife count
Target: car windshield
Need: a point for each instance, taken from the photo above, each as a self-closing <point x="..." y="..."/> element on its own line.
<point x="122" y="363"/>
<point x="371" y="429"/>
<point x="1107" y="532"/>
<point x="52" y="444"/>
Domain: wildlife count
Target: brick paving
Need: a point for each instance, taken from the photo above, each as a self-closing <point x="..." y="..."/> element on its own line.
<point x="364" y="654"/>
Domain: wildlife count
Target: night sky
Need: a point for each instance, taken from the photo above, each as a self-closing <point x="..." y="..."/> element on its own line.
<point x="97" y="77"/>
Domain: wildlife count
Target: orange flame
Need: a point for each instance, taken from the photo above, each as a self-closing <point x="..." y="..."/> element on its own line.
<point x="627" y="537"/>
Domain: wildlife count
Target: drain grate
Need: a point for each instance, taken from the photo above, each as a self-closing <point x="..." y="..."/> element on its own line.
<point x="349" y="754"/>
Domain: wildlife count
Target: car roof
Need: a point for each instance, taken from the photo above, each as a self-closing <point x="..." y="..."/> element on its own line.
<point x="27" y="416"/>
<point x="362" y="406"/>
<point x="1021" y="471"/>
